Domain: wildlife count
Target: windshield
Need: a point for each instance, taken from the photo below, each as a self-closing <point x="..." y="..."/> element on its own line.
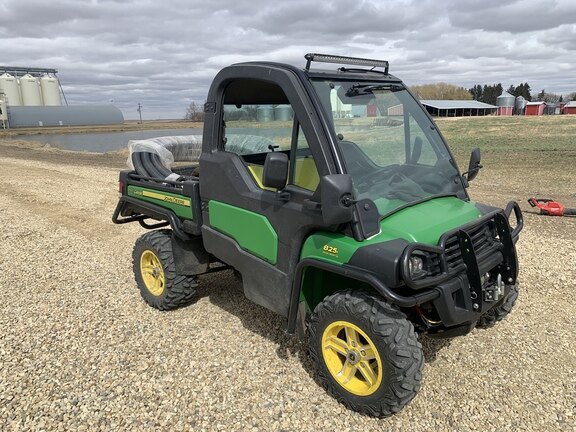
<point x="390" y="147"/>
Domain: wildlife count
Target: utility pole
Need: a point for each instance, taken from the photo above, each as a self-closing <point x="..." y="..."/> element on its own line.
<point x="140" y="111"/>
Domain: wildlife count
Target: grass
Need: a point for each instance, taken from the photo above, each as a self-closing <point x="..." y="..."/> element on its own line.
<point x="511" y="134"/>
<point x="522" y="155"/>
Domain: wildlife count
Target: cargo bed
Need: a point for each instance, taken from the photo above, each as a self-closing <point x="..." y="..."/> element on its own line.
<point x="156" y="203"/>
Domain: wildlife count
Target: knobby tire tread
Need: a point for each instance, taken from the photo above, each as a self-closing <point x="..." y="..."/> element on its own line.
<point x="179" y="289"/>
<point x="402" y="361"/>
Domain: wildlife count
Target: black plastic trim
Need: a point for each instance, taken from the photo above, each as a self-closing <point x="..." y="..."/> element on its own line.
<point x="354" y="273"/>
<point x="262" y="282"/>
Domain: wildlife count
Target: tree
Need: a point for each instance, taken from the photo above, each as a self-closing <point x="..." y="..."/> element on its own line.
<point x="194" y="112"/>
<point x="571" y="97"/>
<point x="488" y="93"/>
<point x="520" y="90"/>
<point x="476" y="92"/>
<point x="525" y="92"/>
<point x="440" y="91"/>
<point x="548" y="97"/>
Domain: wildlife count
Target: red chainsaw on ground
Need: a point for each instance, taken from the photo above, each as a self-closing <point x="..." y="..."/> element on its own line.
<point x="550" y="207"/>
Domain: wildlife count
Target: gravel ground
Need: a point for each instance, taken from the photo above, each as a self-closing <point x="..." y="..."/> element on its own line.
<point x="79" y="349"/>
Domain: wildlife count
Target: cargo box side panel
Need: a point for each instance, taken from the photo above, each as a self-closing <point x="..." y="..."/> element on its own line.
<point x="179" y="204"/>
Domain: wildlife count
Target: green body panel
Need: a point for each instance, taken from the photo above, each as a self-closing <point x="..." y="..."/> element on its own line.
<point x="252" y="231"/>
<point x="421" y="223"/>
<point x="181" y="205"/>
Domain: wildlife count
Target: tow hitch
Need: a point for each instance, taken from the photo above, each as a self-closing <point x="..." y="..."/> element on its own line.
<point x="493" y="293"/>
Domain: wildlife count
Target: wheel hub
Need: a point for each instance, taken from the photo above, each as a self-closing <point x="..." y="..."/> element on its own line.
<point x="152" y="273"/>
<point x="352" y="358"/>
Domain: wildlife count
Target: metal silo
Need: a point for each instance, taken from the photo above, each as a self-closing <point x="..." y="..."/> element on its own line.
<point x="283" y="112"/>
<point x="505" y="103"/>
<point x="3" y="114"/>
<point x="9" y="86"/>
<point x="520" y="105"/>
<point x="30" y="90"/>
<point x="265" y="113"/>
<point x="50" y="90"/>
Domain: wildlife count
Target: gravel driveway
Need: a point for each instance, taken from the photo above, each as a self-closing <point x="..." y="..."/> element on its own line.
<point x="80" y="350"/>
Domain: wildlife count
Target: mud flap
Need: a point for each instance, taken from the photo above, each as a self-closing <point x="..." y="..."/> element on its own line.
<point x="190" y="257"/>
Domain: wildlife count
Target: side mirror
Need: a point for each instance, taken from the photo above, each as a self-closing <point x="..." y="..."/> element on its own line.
<point x="474" y="165"/>
<point x="336" y="198"/>
<point x="275" y="172"/>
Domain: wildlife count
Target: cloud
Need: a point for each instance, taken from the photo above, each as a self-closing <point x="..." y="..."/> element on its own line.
<point x="513" y="16"/>
<point x="164" y="54"/>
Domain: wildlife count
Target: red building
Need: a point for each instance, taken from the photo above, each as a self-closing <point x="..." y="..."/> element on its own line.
<point x="535" y="108"/>
<point x="570" y="108"/>
<point x="505" y="110"/>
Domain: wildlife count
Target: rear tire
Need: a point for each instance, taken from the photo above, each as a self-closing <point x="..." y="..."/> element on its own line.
<point x="366" y="353"/>
<point x="499" y="312"/>
<point x="155" y="272"/>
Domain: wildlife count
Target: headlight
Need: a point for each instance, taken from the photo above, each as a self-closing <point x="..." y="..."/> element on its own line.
<point x="421" y="266"/>
<point x="416" y="267"/>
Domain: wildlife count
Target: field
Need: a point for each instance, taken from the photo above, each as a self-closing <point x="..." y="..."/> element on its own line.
<point x="522" y="156"/>
<point x="130" y="125"/>
<point x="79" y="349"/>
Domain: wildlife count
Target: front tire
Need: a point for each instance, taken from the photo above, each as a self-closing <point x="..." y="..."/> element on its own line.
<point x="366" y="352"/>
<point x="155" y="272"/>
<point x="498" y="313"/>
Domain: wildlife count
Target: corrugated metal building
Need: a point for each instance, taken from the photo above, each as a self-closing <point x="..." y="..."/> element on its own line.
<point x="19" y="116"/>
<point x="535" y="108"/>
<point x="458" y="108"/>
<point x="32" y="97"/>
<point x="569" y="108"/>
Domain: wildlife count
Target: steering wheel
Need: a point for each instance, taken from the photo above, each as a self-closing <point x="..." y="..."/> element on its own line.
<point x="369" y="179"/>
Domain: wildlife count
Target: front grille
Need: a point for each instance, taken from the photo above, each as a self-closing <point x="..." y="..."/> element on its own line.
<point x="433" y="265"/>
<point x="483" y="239"/>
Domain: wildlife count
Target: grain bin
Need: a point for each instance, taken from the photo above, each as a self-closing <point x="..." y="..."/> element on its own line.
<point x="520" y="105"/>
<point x="265" y="113"/>
<point x="9" y="86"/>
<point x="505" y="103"/>
<point x="30" y="90"/>
<point x="3" y="112"/>
<point x="283" y="112"/>
<point x="50" y="90"/>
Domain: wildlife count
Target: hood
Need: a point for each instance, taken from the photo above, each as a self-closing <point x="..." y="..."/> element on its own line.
<point x="427" y="221"/>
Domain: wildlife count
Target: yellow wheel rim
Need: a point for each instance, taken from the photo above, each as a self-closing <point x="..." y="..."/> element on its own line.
<point x="152" y="273"/>
<point x="352" y="358"/>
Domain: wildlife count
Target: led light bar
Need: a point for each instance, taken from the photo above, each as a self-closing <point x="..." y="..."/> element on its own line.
<point x="327" y="58"/>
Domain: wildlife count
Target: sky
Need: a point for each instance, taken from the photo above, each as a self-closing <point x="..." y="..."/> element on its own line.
<point x="164" y="54"/>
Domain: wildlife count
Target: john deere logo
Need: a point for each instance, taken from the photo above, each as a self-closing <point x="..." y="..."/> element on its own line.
<point x="162" y="197"/>
<point x="175" y="200"/>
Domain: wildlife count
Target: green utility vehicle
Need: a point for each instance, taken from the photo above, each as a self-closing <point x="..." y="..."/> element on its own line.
<point x="335" y="198"/>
